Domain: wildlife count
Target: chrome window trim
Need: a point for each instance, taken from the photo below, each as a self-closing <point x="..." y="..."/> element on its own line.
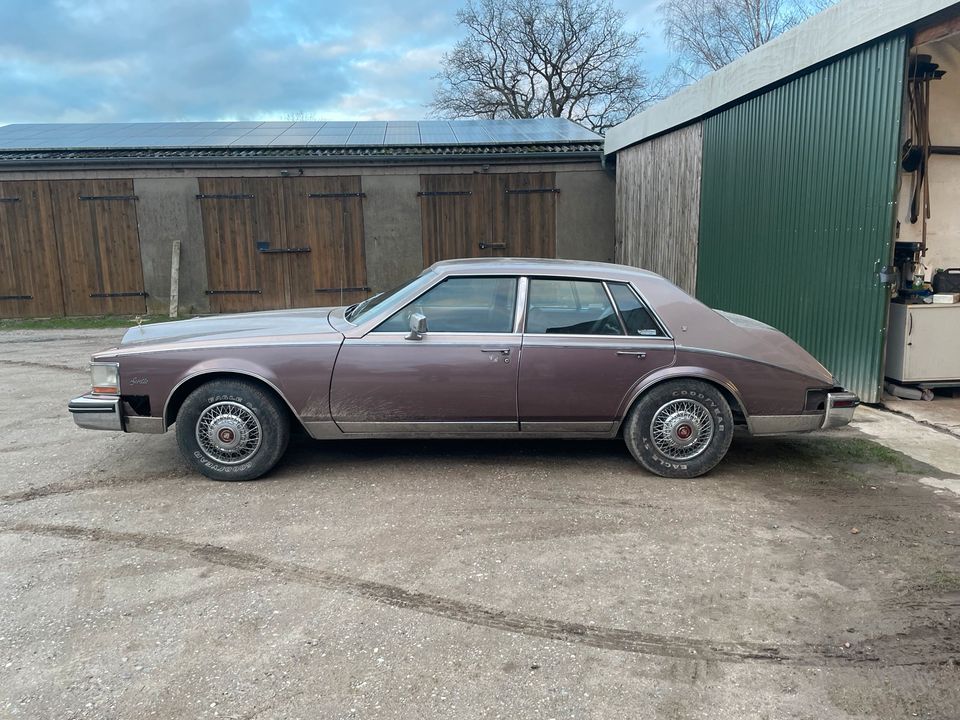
<point x="520" y="311"/>
<point x="616" y="309"/>
<point x="632" y="338"/>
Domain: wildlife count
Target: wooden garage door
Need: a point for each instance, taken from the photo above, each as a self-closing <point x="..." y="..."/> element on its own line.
<point x="488" y="215"/>
<point x="99" y="246"/>
<point x="526" y="205"/>
<point x="323" y="217"/>
<point x="29" y="266"/>
<point x="283" y="242"/>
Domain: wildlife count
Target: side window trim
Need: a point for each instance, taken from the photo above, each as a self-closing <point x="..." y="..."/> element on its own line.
<point x="616" y="309"/>
<point x="520" y="309"/>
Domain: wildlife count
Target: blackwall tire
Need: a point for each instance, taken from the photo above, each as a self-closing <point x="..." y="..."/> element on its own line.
<point x="232" y="430"/>
<point x="679" y="429"/>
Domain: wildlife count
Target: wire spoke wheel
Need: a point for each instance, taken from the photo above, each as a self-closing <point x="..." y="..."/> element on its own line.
<point x="681" y="429"/>
<point x="228" y="433"/>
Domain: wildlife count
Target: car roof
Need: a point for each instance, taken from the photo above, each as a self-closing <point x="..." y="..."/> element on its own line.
<point x="540" y="266"/>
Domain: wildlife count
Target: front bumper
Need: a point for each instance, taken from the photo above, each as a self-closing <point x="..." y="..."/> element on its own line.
<point x="97" y="412"/>
<point x="840" y="407"/>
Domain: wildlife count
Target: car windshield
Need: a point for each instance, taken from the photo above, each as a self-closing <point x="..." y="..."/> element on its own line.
<point x="361" y="311"/>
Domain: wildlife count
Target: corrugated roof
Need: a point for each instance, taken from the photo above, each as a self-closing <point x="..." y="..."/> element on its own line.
<point x="834" y="32"/>
<point x="181" y="135"/>
<point x="419" y="153"/>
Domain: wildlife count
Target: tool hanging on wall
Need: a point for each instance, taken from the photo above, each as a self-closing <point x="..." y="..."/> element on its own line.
<point x="915" y="155"/>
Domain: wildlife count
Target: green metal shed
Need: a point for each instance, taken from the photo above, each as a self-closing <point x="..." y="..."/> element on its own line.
<point x="791" y="156"/>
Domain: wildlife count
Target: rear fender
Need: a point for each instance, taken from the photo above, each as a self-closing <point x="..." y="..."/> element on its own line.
<point x="675" y="373"/>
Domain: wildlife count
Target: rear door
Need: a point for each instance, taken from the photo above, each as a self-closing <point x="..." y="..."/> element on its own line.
<point x="582" y="354"/>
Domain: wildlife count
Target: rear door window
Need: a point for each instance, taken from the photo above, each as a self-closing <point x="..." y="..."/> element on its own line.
<point x="558" y="306"/>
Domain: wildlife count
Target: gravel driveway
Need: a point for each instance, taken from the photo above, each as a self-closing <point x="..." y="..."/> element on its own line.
<point x="810" y="577"/>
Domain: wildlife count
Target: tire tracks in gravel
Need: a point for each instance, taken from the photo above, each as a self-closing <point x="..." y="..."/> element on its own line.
<point x="67" y="488"/>
<point x="924" y="647"/>
<point x="44" y="366"/>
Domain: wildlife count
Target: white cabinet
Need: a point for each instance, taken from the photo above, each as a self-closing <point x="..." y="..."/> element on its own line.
<point x="923" y="343"/>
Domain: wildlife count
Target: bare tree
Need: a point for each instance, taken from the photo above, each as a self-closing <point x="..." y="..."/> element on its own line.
<point x="708" y="34"/>
<point x="543" y="58"/>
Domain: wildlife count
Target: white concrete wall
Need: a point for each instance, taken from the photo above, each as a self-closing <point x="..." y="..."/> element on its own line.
<point x="943" y="227"/>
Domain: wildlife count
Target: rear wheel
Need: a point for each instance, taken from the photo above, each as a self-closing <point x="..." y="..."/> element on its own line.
<point x="232" y="430"/>
<point x="680" y="428"/>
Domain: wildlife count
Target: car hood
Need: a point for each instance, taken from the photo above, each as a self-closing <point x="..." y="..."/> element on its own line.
<point x="276" y="326"/>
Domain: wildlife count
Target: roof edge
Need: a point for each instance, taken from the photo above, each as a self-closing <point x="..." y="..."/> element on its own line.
<point x="836" y="30"/>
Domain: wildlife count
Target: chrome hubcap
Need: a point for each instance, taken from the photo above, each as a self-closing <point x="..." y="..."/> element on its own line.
<point x="681" y="429"/>
<point x="228" y="433"/>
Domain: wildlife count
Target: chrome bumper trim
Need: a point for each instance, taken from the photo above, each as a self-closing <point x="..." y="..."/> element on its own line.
<point x="140" y="424"/>
<point x="776" y="424"/>
<point x="96" y="412"/>
<point x="839" y="416"/>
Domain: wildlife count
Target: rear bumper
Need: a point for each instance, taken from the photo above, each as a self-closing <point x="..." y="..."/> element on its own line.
<point x="97" y="412"/>
<point x="840" y="407"/>
<point x="838" y="411"/>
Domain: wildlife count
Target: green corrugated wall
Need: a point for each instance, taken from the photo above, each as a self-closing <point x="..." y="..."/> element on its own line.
<point x="797" y="212"/>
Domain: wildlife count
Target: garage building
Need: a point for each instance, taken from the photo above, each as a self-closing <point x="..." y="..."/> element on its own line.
<point x="235" y="216"/>
<point x="782" y="187"/>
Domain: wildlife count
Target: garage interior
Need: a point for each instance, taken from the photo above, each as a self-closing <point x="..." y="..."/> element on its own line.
<point x="230" y="217"/>
<point x="923" y="333"/>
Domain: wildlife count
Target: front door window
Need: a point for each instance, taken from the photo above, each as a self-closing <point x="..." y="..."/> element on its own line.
<point x="462" y="305"/>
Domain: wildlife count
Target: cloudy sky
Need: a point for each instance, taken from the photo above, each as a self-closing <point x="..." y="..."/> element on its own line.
<point x="148" y="60"/>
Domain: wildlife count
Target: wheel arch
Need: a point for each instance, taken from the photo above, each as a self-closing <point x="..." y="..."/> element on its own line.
<point x="191" y="382"/>
<point x="729" y="391"/>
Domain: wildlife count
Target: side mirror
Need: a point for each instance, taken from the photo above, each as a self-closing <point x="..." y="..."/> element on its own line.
<point x="418" y="327"/>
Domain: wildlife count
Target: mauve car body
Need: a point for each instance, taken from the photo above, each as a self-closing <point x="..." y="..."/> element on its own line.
<point x="504" y="348"/>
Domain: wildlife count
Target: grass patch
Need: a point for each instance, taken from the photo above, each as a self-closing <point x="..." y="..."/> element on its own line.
<point x="945" y="581"/>
<point x="80" y="323"/>
<point x="864" y="452"/>
<point x="838" y="456"/>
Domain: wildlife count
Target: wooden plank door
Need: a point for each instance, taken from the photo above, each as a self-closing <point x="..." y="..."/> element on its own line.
<point x="452" y="216"/>
<point x="326" y="264"/>
<point x="229" y="225"/>
<point x="99" y="246"/>
<point x="525" y="212"/>
<point x="269" y="236"/>
<point x="30" y="284"/>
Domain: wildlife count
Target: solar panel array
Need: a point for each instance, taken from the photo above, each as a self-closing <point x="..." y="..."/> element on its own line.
<point x="291" y="134"/>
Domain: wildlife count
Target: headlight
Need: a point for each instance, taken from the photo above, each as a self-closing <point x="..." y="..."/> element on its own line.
<point x="106" y="378"/>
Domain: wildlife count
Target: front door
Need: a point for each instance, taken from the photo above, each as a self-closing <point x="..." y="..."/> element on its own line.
<point x="582" y="356"/>
<point x="459" y="377"/>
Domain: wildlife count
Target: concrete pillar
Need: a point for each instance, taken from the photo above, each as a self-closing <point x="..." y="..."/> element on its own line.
<point x="585" y="215"/>
<point x="167" y="209"/>
<point x="391" y="224"/>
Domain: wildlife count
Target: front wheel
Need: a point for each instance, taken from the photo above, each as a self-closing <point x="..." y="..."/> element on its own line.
<point x="680" y="428"/>
<point x="232" y="430"/>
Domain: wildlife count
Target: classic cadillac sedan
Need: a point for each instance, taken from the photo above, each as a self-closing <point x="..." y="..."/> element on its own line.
<point x="486" y="348"/>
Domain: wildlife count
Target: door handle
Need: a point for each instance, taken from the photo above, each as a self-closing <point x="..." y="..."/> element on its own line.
<point x="502" y="351"/>
<point x="636" y="353"/>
